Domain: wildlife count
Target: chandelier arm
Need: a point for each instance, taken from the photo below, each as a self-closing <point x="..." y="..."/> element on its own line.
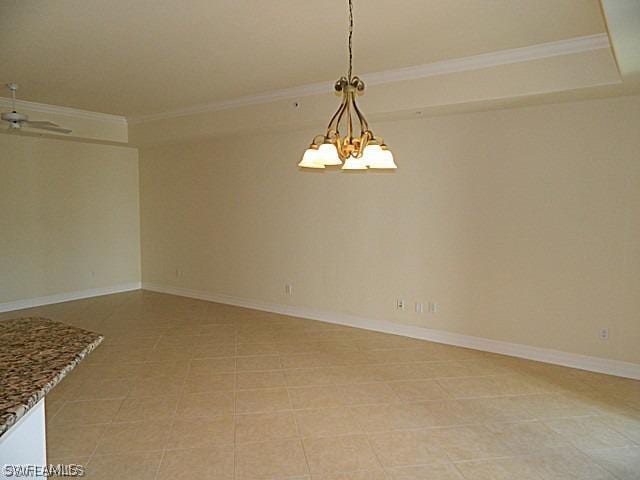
<point x="342" y="111"/>
<point x="341" y="154"/>
<point x="349" y="116"/>
<point x="364" y="125"/>
<point x="337" y="114"/>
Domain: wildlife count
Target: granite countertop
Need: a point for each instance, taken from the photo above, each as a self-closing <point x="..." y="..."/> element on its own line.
<point x="35" y="354"/>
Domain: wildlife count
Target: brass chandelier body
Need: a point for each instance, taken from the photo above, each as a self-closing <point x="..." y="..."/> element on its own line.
<point x="353" y="152"/>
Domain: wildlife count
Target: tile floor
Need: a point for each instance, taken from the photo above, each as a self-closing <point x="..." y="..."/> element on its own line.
<point x="187" y="389"/>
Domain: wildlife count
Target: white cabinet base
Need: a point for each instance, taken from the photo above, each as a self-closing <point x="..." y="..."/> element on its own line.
<point x="25" y="443"/>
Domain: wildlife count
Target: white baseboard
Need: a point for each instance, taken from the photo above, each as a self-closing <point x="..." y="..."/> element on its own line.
<point x="547" y="355"/>
<point x="67" y="296"/>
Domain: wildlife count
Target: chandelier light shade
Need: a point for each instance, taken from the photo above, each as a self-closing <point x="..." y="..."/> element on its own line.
<point x="353" y="152"/>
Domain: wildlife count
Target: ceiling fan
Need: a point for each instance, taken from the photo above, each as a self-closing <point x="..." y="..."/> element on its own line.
<point x="18" y="120"/>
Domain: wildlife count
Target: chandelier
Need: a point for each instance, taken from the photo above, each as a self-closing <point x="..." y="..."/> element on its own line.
<point x="357" y="152"/>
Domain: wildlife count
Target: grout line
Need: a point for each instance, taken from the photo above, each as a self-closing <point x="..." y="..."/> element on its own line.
<point x="300" y="438"/>
<point x="173" y="419"/>
<point x="235" y="402"/>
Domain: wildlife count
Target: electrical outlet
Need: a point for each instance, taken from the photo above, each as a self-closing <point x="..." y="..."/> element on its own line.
<point x="433" y="307"/>
<point x="178" y="272"/>
<point x="419" y="307"/>
<point x="288" y="289"/>
<point x="400" y="304"/>
<point x="604" y="334"/>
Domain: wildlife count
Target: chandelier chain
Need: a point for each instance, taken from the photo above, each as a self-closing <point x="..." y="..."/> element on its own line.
<point x="350" y="38"/>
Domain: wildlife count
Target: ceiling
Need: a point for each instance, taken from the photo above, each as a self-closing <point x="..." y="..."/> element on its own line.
<point x="143" y="57"/>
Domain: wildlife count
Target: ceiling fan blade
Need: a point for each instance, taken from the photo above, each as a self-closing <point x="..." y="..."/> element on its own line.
<point x="43" y="123"/>
<point x="52" y="129"/>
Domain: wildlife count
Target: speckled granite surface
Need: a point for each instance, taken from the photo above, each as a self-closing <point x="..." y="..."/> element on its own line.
<point x="35" y="354"/>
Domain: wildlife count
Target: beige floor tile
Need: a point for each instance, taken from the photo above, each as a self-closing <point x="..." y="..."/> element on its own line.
<point x="209" y="404"/>
<point x="454" y="369"/>
<point x="133" y="437"/>
<point x="570" y="464"/>
<point x="408" y="371"/>
<point x="357" y="374"/>
<point x="364" y="475"/>
<point x="350" y="453"/>
<point x="141" y="466"/>
<point x="307" y="360"/>
<point x="244" y="349"/>
<point x="588" y="432"/>
<point x="212" y="463"/>
<point x="258" y="362"/>
<point x="303" y="377"/>
<point x="439" y="413"/>
<point x="326" y="422"/>
<point x="628" y="425"/>
<point x="53" y="406"/>
<point x="382" y="418"/>
<point x="497" y="409"/>
<point x="254" y="335"/>
<point x="436" y="471"/>
<point x="261" y="427"/>
<point x="417" y="390"/>
<point x="262" y="400"/>
<point x="624" y="462"/>
<point x="276" y="459"/>
<point x="213" y="351"/>
<point x="103" y="389"/>
<point x="317" y="396"/>
<point x="86" y="412"/>
<point x="514" y="468"/>
<point x="263" y="379"/>
<point x="163" y="369"/>
<point x="494" y="386"/>
<point x="468" y="443"/>
<point x="80" y="440"/>
<point x="156" y="386"/>
<point x="147" y="409"/>
<point x="549" y="406"/>
<point x="202" y="383"/>
<point x="396" y="449"/>
<point x="367" y="394"/>
<point x="117" y="369"/>
<point x="210" y="366"/>
<point x="201" y="432"/>
<point x="526" y="438"/>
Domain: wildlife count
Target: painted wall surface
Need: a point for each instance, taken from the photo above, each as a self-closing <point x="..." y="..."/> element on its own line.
<point x="522" y="224"/>
<point x="69" y="216"/>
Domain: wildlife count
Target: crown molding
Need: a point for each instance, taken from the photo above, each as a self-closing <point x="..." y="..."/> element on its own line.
<point x="476" y="62"/>
<point x="55" y="109"/>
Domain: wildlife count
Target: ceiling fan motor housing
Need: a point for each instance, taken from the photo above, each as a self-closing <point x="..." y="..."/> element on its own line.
<point x="14" y="118"/>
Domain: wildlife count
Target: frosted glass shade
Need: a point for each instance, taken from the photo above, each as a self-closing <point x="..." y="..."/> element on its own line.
<point x="372" y="155"/>
<point x="328" y="154"/>
<point x="310" y="159"/>
<point x="382" y="159"/>
<point x="352" y="163"/>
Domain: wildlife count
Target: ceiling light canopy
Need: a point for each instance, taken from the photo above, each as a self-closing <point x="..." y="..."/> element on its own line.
<point x="357" y="152"/>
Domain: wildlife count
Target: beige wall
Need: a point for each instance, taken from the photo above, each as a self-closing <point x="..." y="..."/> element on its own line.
<point x="523" y="224"/>
<point x="67" y="209"/>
